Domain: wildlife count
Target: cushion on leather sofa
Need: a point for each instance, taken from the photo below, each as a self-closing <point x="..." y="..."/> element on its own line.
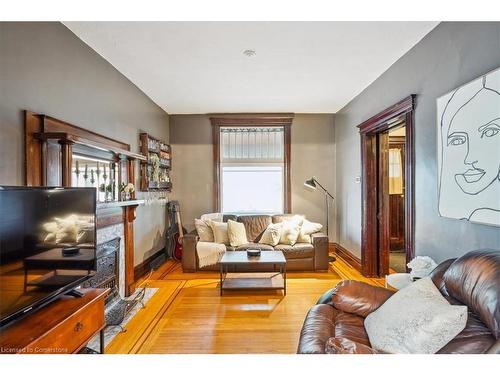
<point x="297" y="251"/>
<point x="351" y="327"/>
<point x="255" y="225"/>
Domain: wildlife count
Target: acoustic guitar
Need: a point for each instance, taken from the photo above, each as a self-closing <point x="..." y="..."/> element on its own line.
<point x="175" y="232"/>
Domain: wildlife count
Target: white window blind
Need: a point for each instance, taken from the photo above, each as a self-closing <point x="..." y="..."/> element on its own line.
<point x="238" y="144"/>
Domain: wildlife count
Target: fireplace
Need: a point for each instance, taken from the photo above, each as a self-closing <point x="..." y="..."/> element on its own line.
<point x="107" y="274"/>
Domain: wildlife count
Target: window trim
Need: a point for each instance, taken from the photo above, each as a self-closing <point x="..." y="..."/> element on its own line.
<point x="284" y="120"/>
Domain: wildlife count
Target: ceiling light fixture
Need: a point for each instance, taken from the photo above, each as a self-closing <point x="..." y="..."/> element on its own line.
<point x="249" y="52"/>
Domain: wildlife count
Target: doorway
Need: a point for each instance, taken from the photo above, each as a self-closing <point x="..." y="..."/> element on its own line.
<point x="387" y="190"/>
<point x="395" y="175"/>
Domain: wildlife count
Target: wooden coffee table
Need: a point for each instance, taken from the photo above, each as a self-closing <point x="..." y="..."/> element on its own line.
<point x="253" y="279"/>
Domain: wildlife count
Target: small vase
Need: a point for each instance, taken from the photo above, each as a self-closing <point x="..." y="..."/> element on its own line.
<point x="123" y="196"/>
<point x="127" y="196"/>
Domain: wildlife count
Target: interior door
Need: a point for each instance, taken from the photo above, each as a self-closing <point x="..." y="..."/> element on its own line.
<point x="383" y="214"/>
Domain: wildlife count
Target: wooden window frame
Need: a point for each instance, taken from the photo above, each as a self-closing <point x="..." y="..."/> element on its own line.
<point x="371" y="259"/>
<point x="253" y="121"/>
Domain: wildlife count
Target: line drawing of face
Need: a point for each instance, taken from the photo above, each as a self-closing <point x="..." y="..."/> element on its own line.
<point x="472" y="142"/>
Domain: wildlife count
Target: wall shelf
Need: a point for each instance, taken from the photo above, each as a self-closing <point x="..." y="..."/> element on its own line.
<point x="154" y="149"/>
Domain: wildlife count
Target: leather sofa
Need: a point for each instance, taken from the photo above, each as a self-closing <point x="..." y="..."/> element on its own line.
<point x="336" y="323"/>
<point x="300" y="257"/>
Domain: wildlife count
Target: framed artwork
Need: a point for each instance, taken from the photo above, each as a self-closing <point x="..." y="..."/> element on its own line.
<point x="468" y="122"/>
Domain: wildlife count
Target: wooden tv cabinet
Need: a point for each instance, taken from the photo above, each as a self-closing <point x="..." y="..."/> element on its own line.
<point x="62" y="327"/>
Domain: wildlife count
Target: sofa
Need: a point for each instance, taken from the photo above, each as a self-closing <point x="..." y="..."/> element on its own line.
<point x="300" y="257"/>
<point x="336" y="323"/>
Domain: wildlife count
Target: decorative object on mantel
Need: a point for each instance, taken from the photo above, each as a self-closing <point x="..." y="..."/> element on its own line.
<point x="126" y="191"/>
<point x="155" y="171"/>
<point x="468" y="142"/>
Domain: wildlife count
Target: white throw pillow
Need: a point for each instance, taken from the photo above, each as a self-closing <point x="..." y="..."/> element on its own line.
<point x="308" y="228"/>
<point x="220" y="232"/>
<point x="204" y="230"/>
<point x="271" y="235"/>
<point x="416" y="319"/>
<point x="237" y="233"/>
<point x="290" y="230"/>
<point x="67" y="231"/>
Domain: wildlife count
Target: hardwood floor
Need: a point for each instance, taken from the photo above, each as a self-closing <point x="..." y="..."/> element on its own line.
<point x="187" y="315"/>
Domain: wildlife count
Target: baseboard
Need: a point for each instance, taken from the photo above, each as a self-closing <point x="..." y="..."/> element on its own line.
<point x="346" y="255"/>
<point x="152" y="262"/>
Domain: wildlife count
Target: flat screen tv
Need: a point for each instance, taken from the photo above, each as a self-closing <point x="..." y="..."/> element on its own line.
<point x="47" y="245"/>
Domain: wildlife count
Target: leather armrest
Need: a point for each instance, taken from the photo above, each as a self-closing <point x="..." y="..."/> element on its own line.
<point x="189" y="242"/>
<point x="320" y="243"/>
<point x="356" y="297"/>
<point x="336" y="345"/>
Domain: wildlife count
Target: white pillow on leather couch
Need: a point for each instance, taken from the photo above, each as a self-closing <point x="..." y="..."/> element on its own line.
<point x="416" y="319"/>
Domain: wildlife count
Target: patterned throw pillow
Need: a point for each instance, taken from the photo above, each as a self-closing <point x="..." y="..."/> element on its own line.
<point x="237" y="233"/>
<point x="271" y="235"/>
<point x="416" y="319"/>
<point x="204" y="230"/>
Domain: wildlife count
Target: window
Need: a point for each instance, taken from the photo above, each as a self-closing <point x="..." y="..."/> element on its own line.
<point x="251" y="166"/>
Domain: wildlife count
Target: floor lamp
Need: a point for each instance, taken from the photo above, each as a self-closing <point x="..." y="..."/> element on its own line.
<point x="313" y="184"/>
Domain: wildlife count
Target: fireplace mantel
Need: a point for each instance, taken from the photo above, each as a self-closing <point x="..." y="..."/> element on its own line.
<point x="133" y="202"/>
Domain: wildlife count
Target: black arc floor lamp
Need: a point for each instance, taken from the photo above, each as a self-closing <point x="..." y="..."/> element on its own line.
<point x="313" y="184"/>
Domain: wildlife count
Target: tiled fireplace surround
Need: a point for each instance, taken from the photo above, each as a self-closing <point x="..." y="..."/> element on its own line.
<point x="116" y="219"/>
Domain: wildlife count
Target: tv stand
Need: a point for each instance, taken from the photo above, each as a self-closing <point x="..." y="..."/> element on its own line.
<point x="62" y="327"/>
<point x="75" y="293"/>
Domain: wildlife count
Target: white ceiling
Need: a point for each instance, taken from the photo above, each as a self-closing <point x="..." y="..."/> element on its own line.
<point x="302" y="67"/>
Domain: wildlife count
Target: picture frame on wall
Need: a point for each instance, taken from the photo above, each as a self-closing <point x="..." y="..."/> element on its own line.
<point x="468" y="146"/>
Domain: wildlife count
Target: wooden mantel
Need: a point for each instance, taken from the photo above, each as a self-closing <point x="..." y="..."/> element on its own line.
<point x="49" y="146"/>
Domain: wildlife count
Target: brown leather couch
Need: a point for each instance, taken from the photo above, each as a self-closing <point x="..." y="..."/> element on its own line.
<point x="336" y="323"/>
<point x="300" y="257"/>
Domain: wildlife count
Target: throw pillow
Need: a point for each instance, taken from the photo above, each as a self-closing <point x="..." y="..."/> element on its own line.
<point x="290" y="230"/>
<point x="50" y="231"/>
<point x="67" y="230"/>
<point x="204" y="230"/>
<point x="416" y="319"/>
<point x="220" y="232"/>
<point x="271" y="235"/>
<point x="236" y="233"/>
<point x="308" y="228"/>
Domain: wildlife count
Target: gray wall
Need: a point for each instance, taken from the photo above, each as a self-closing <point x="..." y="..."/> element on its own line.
<point x="449" y="56"/>
<point x="45" y="68"/>
<point x="313" y="154"/>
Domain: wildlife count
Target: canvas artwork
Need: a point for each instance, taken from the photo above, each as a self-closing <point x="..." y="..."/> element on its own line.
<point x="469" y="151"/>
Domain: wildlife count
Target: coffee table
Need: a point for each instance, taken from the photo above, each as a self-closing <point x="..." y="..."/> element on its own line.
<point x="253" y="279"/>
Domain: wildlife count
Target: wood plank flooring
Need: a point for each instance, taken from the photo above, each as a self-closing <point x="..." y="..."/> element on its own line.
<point x="187" y="315"/>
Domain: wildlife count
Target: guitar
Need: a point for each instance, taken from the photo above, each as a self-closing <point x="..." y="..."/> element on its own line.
<point x="175" y="232"/>
<point x="177" y="255"/>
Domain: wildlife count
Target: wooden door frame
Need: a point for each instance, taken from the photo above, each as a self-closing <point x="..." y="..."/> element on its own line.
<point x="369" y="131"/>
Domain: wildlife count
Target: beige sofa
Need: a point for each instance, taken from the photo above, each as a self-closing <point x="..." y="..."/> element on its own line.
<point x="300" y="257"/>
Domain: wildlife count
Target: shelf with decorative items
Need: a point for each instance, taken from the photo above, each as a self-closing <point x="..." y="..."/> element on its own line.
<point x="155" y="171"/>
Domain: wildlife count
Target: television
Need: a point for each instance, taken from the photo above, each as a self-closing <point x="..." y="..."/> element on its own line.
<point x="47" y="245"/>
